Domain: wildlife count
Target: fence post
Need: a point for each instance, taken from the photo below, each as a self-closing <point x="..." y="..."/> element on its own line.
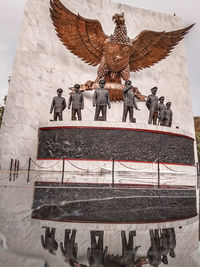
<point x="113" y="172"/>
<point x="29" y="168"/>
<point x="11" y="165"/>
<point x="63" y="171"/>
<point x="158" y="161"/>
<point x="17" y="169"/>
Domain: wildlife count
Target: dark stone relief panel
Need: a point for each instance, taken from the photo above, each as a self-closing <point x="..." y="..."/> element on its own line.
<point x="122" y="144"/>
<point x="112" y="205"/>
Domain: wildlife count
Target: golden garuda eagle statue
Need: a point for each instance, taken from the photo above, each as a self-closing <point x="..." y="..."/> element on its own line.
<point x="117" y="55"/>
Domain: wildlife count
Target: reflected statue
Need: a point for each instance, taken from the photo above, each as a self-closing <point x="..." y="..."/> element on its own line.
<point x="97" y="254"/>
<point x="152" y="105"/>
<point x="161" y="111"/>
<point x="76" y="98"/>
<point x="154" y="252"/>
<point x="168" y="243"/>
<point x="172" y="241"/>
<point x="49" y="241"/>
<point x="70" y="248"/>
<point x="164" y="240"/>
<point x="128" y="250"/>
<point x="129" y="102"/>
<point x="168" y="115"/>
<point x="58" y="105"/>
<point x="101" y="100"/>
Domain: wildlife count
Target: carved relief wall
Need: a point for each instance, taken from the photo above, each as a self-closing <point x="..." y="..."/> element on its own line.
<point x="122" y="144"/>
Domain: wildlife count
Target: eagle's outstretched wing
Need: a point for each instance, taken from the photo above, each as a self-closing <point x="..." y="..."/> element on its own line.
<point x="83" y="37"/>
<point x="149" y="47"/>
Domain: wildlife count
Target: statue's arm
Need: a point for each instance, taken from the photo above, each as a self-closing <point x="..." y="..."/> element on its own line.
<point x="94" y="98"/>
<point x="148" y="102"/>
<point x="69" y="101"/>
<point x="108" y="100"/>
<point x="42" y="241"/>
<point x="52" y="105"/>
<point x="89" y="255"/>
<point x="62" y="248"/>
<point x="135" y="104"/>
<point x="64" y="103"/>
<point x="82" y="101"/>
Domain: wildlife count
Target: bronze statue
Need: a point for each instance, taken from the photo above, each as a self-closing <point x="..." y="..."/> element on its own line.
<point x="76" y="98"/>
<point x="129" y="102"/>
<point x="154" y="252"/>
<point x="161" y="111"/>
<point x="101" y="100"/>
<point x="152" y="105"/>
<point x="97" y="254"/>
<point x="172" y="241"/>
<point x="58" y="105"/>
<point x="117" y="54"/>
<point x="128" y="250"/>
<point x="70" y="248"/>
<point x="168" y="115"/>
<point x="49" y="241"/>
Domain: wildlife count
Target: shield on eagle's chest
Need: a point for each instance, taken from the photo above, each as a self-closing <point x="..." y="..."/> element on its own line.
<point x="117" y="56"/>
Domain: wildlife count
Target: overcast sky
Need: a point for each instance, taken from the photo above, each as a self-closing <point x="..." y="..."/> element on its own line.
<point x="11" y="12"/>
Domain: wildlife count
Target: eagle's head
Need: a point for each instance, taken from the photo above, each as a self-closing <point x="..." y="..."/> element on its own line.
<point x="119" y="20"/>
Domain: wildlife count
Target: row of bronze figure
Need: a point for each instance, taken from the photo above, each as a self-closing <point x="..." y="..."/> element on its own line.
<point x="163" y="243"/>
<point x="158" y="112"/>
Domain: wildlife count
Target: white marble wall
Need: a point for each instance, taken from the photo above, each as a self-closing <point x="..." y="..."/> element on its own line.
<point x="42" y="64"/>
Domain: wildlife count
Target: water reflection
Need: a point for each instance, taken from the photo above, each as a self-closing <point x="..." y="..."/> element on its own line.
<point x="162" y="245"/>
<point x="49" y="241"/>
<point x="69" y="248"/>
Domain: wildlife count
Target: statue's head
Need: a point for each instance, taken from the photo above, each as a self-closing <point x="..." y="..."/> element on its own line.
<point x="154" y="90"/>
<point x="164" y="259"/>
<point x="161" y="99"/>
<point x="172" y="253"/>
<point x="168" y="105"/>
<point x="77" y="87"/>
<point x="102" y="83"/>
<point x="119" y="19"/>
<point x="128" y="83"/>
<point x="59" y="91"/>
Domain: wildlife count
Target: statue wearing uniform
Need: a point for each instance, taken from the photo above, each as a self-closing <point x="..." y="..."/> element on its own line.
<point x="129" y="102"/>
<point x="168" y="115"/>
<point x="49" y="241"/>
<point x="101" y="100"/>
<point x="76" y="98"/>
<point x="128" y="250"/>
<point x="58" y="105"/>
<point x="161" y="111"/>
<point x="154" y="252"/>
<point x="97" y="254"/>
<point x="152" y="105"/>
<point x="69" y="248"/>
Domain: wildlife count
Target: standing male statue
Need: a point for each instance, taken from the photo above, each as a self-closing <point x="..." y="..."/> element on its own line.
<point x="97" y="253"/>
<point x="101" y="99"/>
<point x="128" y="250"/>
<point x="154" y="252"/>
<point x="168" y="115"/>
<point x="161" y="111"/>
<point x="49" y="241"/>
<point x="129" y="102"/>
<point x="69" y="248"/>
<point x="76" y="98"/>
<point x="58" y="105"/>
<point x="152" y="105"/>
